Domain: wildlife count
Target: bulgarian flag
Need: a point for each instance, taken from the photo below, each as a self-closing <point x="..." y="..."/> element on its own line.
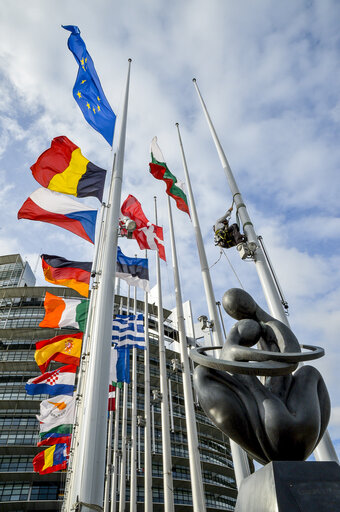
<point x="160" y="171"/>
<point x="60" y="312"/>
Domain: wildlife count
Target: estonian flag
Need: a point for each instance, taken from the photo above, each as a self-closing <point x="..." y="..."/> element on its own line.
<point x="134" y="271"/>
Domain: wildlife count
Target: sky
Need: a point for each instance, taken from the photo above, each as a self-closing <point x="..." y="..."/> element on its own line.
<point x="269" y="73"/>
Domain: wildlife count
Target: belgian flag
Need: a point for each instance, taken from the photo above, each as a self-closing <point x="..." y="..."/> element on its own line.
<point x="64" y="169"/>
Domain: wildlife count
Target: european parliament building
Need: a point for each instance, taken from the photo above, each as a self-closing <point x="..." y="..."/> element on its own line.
<point x="21" y="311"/>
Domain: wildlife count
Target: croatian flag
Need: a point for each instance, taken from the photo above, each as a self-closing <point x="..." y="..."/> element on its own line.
<point x="55" y="208"/>
<point x="128" y="331"/>
<point x="58" y="382"/>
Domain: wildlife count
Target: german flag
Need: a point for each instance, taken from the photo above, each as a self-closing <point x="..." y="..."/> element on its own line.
<point x="64" y="169"/>
<point x="63" y="272"/>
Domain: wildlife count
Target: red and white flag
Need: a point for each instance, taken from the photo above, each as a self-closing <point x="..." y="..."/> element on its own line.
<point x="148" y="235"/>
<point x="112" y="398"/>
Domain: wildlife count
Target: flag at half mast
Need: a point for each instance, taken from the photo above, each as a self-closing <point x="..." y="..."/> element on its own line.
<point x="128" y="331"/>
<point x="160" y="171"/>
<point x="64" y="169"/>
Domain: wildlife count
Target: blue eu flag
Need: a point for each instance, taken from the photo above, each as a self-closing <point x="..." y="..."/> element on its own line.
<point x="87" y="90"/>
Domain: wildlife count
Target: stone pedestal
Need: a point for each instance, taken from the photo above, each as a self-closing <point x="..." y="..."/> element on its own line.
<point x="288" y="486"/>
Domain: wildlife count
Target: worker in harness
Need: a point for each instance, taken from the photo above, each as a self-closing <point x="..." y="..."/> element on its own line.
<point x="227" y="235"/>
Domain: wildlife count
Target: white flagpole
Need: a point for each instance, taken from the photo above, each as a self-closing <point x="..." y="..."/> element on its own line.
<point x="325" y="449"/>
<point x="241" y="464"/>
<point x="198" y="497"/>
<point x="166" y="445"/>
<point x="147" y="411"/>
<point x="133" y="469"/>
<point x="76" y="451"/>
<point x="123" y="460"/>
<point x="108" y="464"/>
<point x="94" y="420"/>
<point x="114" y="472"/>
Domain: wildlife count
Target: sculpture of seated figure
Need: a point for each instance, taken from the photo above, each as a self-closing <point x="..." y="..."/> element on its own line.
<point x="281" y="418"/>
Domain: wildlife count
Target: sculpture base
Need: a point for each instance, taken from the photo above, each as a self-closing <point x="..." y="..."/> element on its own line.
<point x="291" y="486"/>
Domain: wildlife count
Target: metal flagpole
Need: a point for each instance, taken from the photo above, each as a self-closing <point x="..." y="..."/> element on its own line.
<point x="123" y="460"/>
<point x="114" y="472"/>
<point x="166" y="445"/>
<point x="198" y="497"/>
<point x="94" y="420"/>
<point x="133" y="469"/>
<point x="147" y="428"/>
<point x="209" y="292"/>
<point x="108" y="464"/>
<point x="72" y="475"/>
<point x="240" y="459"/>
<point x="325" y="449"/>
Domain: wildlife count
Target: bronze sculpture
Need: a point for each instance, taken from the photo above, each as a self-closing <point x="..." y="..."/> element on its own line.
<point x="283" y="416"/>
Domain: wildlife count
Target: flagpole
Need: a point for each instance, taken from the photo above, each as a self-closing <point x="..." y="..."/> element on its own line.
<point x="241" y="464"/>
<point x="94" y="420"/>
<point x="166" y="445"/>
<point x="114" y="473"/>
<point x="108" y="463"/>
<point x="325" y="450"/>
<point x="133" y="469"/>
<point x="124" y="447"/>
<point x="147" y="411"/>
<point x="194" y="455"/>
<point x="72" y="475"/>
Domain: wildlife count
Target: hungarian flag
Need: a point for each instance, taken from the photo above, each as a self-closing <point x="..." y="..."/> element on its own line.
<point x="63" y="349"/>
<point x="60" y="312"/>
<point x="160" y="171"/>
<point x="60" y="381"/>
<point x="64" y="169"/>
<point x="63" y="211"/>
<point x="63" y="272"/>
<point x="148" y="236"/>
<point x="112" y="398"/>
<point x="51" y="460"/>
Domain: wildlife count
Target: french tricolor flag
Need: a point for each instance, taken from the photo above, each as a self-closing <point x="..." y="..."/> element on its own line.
<point x="58" y="382"/>
<point x="59" y="209"/>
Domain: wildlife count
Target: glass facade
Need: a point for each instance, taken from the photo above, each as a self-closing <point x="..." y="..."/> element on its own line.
<point x="21" y="310"/>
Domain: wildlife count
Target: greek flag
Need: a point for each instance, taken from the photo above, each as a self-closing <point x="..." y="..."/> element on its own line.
<point x="128" y="331"/>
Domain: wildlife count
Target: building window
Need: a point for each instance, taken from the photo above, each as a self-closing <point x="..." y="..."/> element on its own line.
<point x="44" y="492"/>
<point x="14" y="491"/>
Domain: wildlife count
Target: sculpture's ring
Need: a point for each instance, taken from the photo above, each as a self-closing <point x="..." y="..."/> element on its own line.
<point x="253" y="354"/>
<point x="268" y="368"/>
